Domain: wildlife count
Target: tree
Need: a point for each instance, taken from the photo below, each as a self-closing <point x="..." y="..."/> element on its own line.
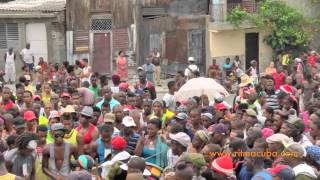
<point x="290" y="29"/>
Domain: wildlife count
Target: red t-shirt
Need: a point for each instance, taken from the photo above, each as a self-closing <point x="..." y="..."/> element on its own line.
<point x="278" y="80"/>
<point x="312" y="60"/>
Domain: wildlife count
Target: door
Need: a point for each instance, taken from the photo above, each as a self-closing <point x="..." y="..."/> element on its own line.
<point x="37" y="37"/>
<point x="102" y="53"/>
<point x="252" y="48"/>
<point x="195" y="46"/>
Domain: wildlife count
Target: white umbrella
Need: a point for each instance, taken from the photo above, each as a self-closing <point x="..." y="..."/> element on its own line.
<point x="200" y="86"/>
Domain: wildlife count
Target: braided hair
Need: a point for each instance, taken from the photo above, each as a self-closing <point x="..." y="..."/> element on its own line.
<point x="23" y="140"/>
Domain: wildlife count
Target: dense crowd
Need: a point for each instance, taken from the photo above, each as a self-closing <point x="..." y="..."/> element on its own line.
<point x="64" y="121"/>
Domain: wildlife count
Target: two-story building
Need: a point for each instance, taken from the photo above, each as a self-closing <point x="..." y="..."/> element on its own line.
<point x="225" y="40"/>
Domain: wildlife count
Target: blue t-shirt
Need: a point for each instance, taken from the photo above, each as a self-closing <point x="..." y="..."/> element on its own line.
<point x="245" y="174"/>
<point x="263" y="174"/>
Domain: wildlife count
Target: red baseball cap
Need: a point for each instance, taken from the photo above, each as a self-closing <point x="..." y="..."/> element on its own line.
<point x="29" y="116"/>
<point x="65" y="94"/>
<point x="220" y="106"/>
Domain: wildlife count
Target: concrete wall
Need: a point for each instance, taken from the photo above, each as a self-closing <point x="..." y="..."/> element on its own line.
<point x="230" y="43"/>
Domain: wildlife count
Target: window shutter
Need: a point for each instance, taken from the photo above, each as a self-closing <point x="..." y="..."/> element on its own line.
<point x="3" y="36"/>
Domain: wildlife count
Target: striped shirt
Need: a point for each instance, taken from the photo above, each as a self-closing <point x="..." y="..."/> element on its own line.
<point x="132" y="143"/>
<point x="272" y="101"/>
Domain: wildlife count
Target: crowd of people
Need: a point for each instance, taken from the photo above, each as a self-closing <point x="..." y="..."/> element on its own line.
<point x="64" y="121"/>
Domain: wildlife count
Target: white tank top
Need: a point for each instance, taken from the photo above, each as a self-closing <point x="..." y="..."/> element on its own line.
<point x="10" y="58"/>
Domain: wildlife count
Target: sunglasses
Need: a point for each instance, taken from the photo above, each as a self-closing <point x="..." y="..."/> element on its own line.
<point x="59" y="135"/>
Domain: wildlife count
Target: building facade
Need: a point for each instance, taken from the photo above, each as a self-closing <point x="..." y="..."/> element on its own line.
<point x="40" y="23"/>
<point x="225" y="40"/>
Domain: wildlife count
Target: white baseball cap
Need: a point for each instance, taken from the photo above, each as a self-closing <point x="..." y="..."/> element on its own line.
<point x="128" y="121"/>
<point x="191" y="59"/>
<point x="182" y="138"/>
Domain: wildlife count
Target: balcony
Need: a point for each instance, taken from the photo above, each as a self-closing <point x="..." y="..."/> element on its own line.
<point x="219" y="11"/>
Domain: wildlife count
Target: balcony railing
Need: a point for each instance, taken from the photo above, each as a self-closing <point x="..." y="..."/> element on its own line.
<point x="219" y="11"/>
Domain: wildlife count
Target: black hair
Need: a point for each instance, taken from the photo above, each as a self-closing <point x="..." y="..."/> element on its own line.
<point x="38" y="87"/>
<point x="156" y="122"/>
<point x="85" y="84"/>
<point x="42" y="128"/>
<point x="11" y="140"/>
<point x="270" y="110"/>
<point x="29" y="92"/>
<point x="22" y="79"/>
<point x="70" y="69"/>
<point x="171" y="84"/>
<point x="85" y="60"/>
<point x="96" y="109"/>
<point x="19" y="86"/>
<point x="65" y="63"/>
<point x="268" y="77"/>
<point x="197" y="98"/>
<point x="181" y="73"/>
<point x="77" y="62"/>
<point x="238" y="144"/>
<point x="176" y="128"/>
<point x="120" y="52"/>
<point x="106" y="127"/>
<point x="23" y="140"/>
<point x="243" y="106"/>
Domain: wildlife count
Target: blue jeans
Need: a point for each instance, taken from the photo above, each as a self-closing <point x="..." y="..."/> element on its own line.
<point x="30" y="66"/>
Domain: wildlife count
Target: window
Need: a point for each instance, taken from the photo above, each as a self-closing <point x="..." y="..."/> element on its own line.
<point x="101" y="24"/>
<point x="9" y="35"/>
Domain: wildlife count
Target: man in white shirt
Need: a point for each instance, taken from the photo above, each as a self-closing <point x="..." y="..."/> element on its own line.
<point x="10" y="68"/>
<point x="169" y="97"/>
<point x="27" y="57"/>
<point x="192" y="69"/>
<point x="179" y="143"/>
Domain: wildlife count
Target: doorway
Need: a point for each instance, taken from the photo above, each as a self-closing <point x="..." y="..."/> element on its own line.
<point x="102" y="53"/>
<point x="252" y="48"/>
<point x="36" y="35"/>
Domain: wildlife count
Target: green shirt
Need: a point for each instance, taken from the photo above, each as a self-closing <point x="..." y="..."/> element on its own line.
<point x="96" y="91"/>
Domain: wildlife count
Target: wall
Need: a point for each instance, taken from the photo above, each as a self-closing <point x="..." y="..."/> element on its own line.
<point x="230" y="43"/>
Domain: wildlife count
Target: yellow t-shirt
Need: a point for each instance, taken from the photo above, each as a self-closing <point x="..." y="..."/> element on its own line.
<point x="8" y="176"/>
<point x="285" y="59"/>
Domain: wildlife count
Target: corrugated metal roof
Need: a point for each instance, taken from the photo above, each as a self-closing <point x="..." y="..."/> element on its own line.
<point x="153" y="11"/>
<point x="34" y="5"/>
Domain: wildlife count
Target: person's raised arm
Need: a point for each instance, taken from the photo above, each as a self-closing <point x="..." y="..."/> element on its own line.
<point x="140" y="144"/>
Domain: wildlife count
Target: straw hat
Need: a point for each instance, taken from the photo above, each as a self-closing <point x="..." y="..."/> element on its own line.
<point x="245" y="80"/>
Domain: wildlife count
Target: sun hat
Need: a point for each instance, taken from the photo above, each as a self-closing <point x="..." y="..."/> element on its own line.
<point x="54" y="114"/>
<point x="182" y="138"/>
<point x="87" y="111"/>
<point x="36" y="97"/>
<point x="29" y="116"/>
<point x="86" y="162"/>
<point x="181" y="116"/>
<point x="65" y="94"/>
<point x="287" y="89"/>
<point x="251" y="113"/>
<point x="220" y="106"/>
<point x="278" y="138"/>
<point x="297" y="149"/>
<point x="28" y="78"/>
<point x="128" y="121"/>
<point x="298" y="123"/>
<point x="58" y="126"/>
<point x="69" y="109"/>
<point x="109" y="118"/>
<point x="223" y="165"/>
<point x="208" y="115"/>
<point x="245" y="80"/>
<point x="203" y="135"/>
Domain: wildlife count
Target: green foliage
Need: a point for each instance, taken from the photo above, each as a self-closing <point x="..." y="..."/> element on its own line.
<point x="290" y="29"/>
<point x="237" y="15"/>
